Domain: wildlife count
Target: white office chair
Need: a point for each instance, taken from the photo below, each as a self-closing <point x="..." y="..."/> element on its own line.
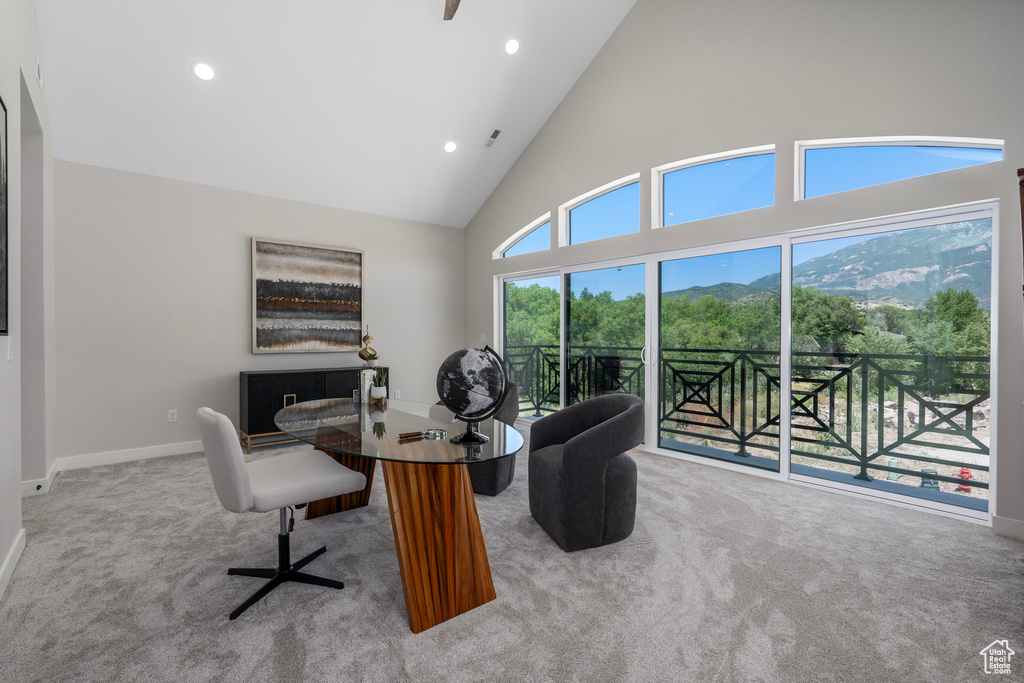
<point x="268" y="484"/>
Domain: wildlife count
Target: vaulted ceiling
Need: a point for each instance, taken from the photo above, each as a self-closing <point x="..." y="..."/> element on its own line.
<point x="343" y="103"/>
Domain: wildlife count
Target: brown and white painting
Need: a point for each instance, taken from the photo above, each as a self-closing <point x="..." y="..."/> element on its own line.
<point x="305" y="297"/>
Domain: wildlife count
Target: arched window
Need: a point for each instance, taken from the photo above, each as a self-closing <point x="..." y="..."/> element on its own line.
<point x="713" y="185"/>
<point x="534" y="237"/>
<point x="608" y="211"/>
<point x="831" y="166"/>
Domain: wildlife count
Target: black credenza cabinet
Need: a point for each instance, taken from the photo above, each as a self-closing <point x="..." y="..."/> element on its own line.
<point x="263" y="393"/>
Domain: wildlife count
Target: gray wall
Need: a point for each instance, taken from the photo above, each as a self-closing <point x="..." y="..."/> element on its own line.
<point x="682" y="78"/>
<point x="38" y="355"/>
<point x="19" y="46"/>
<point x="153" y="301"/>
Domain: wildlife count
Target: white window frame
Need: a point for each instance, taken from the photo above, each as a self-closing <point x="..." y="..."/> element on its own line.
<point x="988" y="208"/>
<point x="499" y="252"/>
<point x="658" y="174"/>
<point x="564" y="209"/>
<point x="801" y="146"/>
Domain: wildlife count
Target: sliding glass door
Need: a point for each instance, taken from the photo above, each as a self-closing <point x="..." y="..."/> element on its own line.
<point x="531" y="341"/>
<point x="719" y="374"/>
<point x="855" y="359"/>
<point x="891" y="364"/>
<point x="605" y="332"/>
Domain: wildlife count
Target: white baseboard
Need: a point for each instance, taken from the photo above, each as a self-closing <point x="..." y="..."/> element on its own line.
<point x="11" y="561"/>
<point x="1005" y="526"/>
<point x="75" y="462"/>
<point x="37" y="487"/>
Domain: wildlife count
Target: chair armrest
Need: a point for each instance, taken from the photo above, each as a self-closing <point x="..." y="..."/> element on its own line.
<point x="606" y="439"/>
<point x="561" y="426"/>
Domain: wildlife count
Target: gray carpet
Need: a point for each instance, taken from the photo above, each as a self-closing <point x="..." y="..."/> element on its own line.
<point x="727" y="577"/>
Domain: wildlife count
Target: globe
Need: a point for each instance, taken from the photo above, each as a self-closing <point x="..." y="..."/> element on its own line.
<point x="472" y="384"/>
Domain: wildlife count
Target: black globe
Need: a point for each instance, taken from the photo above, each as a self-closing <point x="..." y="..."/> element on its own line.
<point x="472" y="383"/>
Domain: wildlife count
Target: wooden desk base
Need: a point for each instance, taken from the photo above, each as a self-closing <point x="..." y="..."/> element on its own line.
<point x="348" y="501"/>
<point x="439" y="542"/>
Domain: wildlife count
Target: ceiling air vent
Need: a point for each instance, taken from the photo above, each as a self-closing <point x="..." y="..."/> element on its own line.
<point x="494" y="136"/>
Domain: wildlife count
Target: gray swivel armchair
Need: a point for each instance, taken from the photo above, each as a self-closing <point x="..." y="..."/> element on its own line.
<point x="279" y="482"/>
<point x="582" y="482"/>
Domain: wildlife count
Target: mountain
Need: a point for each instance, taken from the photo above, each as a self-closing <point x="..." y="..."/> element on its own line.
<point x="903" y="268"/>
<point x="726" y="291"/>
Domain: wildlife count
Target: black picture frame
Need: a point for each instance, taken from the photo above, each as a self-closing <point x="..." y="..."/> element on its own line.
<point x="4" y="271"/>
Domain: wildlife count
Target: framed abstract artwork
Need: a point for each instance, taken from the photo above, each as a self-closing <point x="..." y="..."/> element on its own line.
<point x="305" y="297"/>
<point x="4" y="326"/>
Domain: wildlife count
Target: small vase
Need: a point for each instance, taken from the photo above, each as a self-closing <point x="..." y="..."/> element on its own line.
<point x="378" y="392"/>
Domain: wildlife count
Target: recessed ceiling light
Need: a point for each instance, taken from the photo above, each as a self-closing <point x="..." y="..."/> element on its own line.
<point x="202" y="70"/>
<point x="512" y="46"/>
<point x="449" y="147"/>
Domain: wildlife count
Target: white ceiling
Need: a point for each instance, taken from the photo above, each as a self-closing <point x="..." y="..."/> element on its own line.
<point x="343" y="103"/>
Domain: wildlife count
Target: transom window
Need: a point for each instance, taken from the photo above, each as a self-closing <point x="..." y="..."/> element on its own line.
<point x="608" y="211"/>
<point x="534" y="237"/>
<point x="537" y="239"/>
<point x="715" y="185"/>
<point x="831" y="166"/>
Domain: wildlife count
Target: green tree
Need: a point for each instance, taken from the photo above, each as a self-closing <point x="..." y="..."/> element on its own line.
<point x="531" y="315"/>
<point x="830" y="320"/>
<point x="894" y="319"/>
<point x="959" y="308"/>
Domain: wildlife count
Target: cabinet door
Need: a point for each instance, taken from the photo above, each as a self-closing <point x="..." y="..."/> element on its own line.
<point x="305" y="386"/>
<point x="341" y="384"/>
<point x="266" y="394"/>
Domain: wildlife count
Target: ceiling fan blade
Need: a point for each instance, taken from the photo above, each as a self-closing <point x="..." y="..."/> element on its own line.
<point x="449" y="9"/>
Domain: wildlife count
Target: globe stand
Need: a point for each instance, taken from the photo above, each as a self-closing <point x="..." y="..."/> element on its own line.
<point x="470" y="436"/>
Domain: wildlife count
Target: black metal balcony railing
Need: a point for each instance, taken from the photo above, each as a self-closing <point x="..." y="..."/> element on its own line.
<point x="535" y="370"/>
<point x="592" y="371"/>
<point x="728" y="402"/>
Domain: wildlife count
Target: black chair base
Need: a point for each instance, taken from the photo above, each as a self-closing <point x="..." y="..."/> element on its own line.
<point x="284" y="572"/>
<point x="491" y="477"/>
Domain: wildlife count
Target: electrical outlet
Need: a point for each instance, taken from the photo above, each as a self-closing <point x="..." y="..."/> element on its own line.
<point x="398" y="394"/>
<point x="172" y="415"/>
<point x="483" y="337"/>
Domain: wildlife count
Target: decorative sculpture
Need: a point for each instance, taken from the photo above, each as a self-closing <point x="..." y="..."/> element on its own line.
<point x="367" y="353"/>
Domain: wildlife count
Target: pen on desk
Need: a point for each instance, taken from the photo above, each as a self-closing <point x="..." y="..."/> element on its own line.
<point x="409" y="435"/>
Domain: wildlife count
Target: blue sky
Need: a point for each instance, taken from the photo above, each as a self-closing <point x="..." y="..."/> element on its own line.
<point x="742" y="267"/>
<point x="550" y="281"/>
<point x="613" y="213"/>
<point x="538" y="239"/>
<point x="731" y="186"/>
<point x="837" y="169"/>
<point x="622" y="282"/>
<point x="719" y="188"/>
<point x="808" y="250"/>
